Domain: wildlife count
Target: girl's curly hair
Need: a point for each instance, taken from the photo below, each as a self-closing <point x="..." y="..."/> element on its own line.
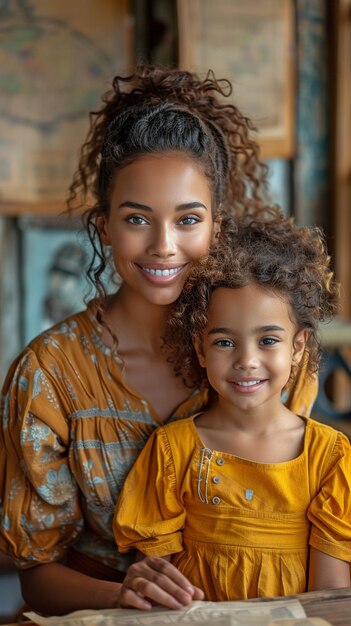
<point x="274" y="253"/>
<point x="159" y="109"/>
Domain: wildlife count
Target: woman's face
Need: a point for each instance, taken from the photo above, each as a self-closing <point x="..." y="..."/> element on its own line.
<point x="160" y="222"/>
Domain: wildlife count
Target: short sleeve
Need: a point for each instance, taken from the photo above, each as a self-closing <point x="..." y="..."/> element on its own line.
<point x="301" y="393"/>
<point x="149" y="514"/>
<point x="330" y="510"/>
<point x="40" y="511"/>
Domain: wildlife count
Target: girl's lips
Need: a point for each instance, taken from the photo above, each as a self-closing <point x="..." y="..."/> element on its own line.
<point x="161" y="274"/>
<point x="247" y="385"/>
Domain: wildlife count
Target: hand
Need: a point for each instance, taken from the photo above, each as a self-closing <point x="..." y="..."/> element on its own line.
<point x="154" y="580"/>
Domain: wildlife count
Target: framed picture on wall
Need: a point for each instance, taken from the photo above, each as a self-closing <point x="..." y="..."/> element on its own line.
<point x="56" y="60"/>
<point x="252" y="44"/>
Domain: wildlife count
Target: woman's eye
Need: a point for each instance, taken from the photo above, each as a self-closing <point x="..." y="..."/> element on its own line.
<point x="136" y="219"/>
<point x="269" y="341"/>
<point x="224" y="343"/>
<point x="189" y="220"/>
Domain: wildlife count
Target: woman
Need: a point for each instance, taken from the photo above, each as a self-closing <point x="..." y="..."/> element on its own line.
<point x="166" y="160"/>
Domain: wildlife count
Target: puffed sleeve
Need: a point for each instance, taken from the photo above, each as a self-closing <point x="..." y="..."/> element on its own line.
<point x="330" y="510"/>
<point x="39" y="507"/>
<point x="149" y="514"/>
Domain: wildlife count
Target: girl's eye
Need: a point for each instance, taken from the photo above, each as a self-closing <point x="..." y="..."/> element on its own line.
<point x="136" y="219"/>
<point x="269" y="341"/>
<point x="224" y="343"/>
<point x="189" y="220"/>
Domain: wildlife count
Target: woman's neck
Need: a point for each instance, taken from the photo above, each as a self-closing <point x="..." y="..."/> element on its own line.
<point x="135" y="321"/>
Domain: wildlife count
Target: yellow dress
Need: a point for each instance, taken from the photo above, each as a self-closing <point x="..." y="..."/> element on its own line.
<point x="237" y="528"/>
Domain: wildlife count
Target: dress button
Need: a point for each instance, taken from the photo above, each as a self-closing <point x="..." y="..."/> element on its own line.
<point x="216" y="479"/>
<point x="220" y="461"/>
<point x="216" y="500"/>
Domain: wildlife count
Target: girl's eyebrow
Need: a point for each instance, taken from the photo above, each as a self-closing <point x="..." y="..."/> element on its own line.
<point x="269" y="328"/>
<point x="144" y="207"/>
<point x="221" y="331"/>
<point x="259" y="329"/>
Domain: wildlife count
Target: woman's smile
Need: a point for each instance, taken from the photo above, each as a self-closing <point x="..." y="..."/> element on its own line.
<point x="162" y="273"/>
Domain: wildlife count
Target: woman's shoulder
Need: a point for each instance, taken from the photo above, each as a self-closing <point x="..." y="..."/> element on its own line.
<point x="65" y="331"/>
<point x="65" y="343"/>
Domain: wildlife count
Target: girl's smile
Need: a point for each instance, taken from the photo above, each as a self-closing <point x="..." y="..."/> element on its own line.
<point x="247" y="385"/>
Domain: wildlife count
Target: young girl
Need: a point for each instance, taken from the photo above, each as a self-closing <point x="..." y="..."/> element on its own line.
<point x="165" y="159"/>
<point x="248" y="498"/>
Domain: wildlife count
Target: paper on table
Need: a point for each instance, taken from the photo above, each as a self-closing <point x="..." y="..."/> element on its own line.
<point x="264" y="613"/>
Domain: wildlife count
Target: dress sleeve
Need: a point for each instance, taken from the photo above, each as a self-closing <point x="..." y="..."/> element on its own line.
<point x="149" y="514"/>
<point x="39" y="499"/>
<point x="300" y="395"/>
<point x="330" y="510"/>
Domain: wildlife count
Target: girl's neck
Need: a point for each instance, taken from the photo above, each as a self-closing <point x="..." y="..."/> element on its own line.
<point x="266" y="437"/>
<point x="256" y="421"/>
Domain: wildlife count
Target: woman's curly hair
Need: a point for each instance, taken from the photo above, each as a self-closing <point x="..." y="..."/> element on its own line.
<point x="274" y="253"/>
<point x="159" y="109"/>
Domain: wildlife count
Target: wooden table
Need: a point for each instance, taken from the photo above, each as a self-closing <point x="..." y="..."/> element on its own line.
<point x="334" y="606"/>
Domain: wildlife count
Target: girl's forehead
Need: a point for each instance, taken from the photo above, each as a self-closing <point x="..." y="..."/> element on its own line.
<point x="248" y="304"/>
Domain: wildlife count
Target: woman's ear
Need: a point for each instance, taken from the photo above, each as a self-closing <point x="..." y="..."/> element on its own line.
<point x="197" y="343"/>
<point x="101" y="225"/>
<point x="300" y="341"/>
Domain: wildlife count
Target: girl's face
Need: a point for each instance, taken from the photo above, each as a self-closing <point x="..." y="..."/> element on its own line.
<point x="248" y="347"/>
<point x="160" y="222"/>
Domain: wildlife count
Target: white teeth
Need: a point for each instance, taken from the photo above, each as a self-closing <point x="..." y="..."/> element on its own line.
<point x="170" y="272"/>
<point x="247" y="383"/>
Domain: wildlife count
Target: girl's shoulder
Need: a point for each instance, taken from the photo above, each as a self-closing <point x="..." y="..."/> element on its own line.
<point x="325" y="445"/>
<point x="185" y="425"/>
<point x="320" y="432"/>
<point x="179" y="435"/>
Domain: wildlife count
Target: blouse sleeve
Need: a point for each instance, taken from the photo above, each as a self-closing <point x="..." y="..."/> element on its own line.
<point x="300" y="394"/>
<point x="149" y="514"/>
<point x="39" y="499"/>
<point x="330" y="510"/>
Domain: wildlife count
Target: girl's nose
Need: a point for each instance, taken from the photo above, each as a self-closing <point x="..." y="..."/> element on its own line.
<point x="245" y="358"/>
<point x="163" y="242"/>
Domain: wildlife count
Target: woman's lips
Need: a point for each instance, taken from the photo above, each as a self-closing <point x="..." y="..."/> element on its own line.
<point x="161" y="274"/>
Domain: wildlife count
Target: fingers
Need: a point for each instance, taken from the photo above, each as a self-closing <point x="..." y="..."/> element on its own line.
<point x="198" y="594"/>
<point x="129" y="598"/>
<point x="156" y="581"/>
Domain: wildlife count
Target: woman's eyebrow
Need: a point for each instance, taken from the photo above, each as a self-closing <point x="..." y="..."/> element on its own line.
<point x="191" y="205"/>
<point x="144" y="207"/>
<point x="134" y="205"/>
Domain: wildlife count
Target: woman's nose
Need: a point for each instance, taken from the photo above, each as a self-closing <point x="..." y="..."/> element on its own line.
<point x="163" y="242"/>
